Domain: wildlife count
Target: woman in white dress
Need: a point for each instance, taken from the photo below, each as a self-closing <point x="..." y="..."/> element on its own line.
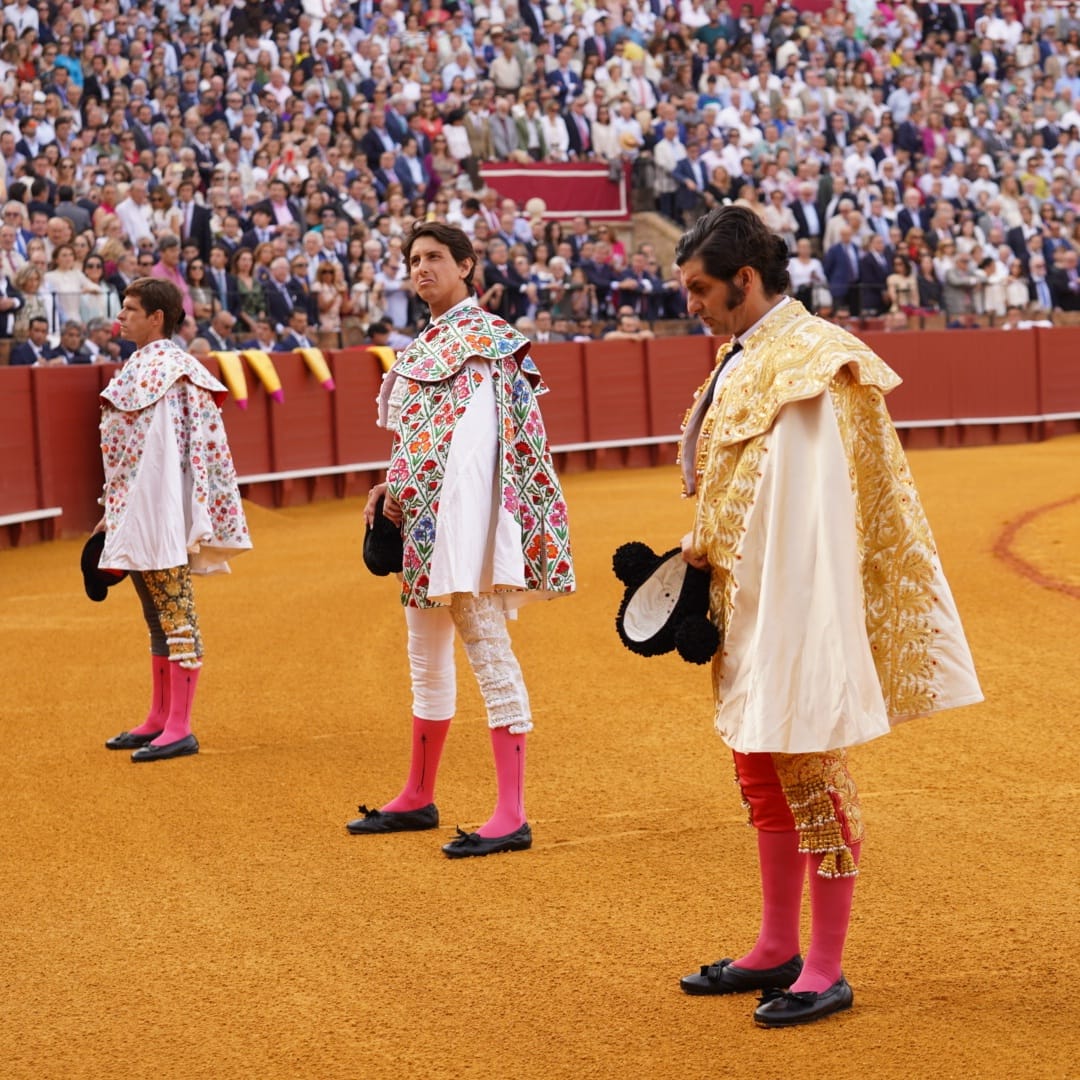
<point x="473" y="491"/>
<point x="68" y="284"/>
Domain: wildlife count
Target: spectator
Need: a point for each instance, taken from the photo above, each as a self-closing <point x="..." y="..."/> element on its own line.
<point x="1064" y="282"/>
<point x="69" y="350"/>
<point x="628" y="328"/>
<point x="33" y="349"/>
<point x="68" y="284"/>
<point x="101" y="344"/>
<point x="219" y="331"/>
<point x="808" y="282"/>
<point x="263" y="337"/>
<point x="297" y="336"/>
<point x="203" y="297"/>
<point x="961" y="287"/>
<point x="331" y="294"/>
<point x="167" y="268"/>
<point x="842" y="271"/>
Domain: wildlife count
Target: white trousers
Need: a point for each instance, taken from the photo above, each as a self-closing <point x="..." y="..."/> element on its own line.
<point x="481" y="622"/>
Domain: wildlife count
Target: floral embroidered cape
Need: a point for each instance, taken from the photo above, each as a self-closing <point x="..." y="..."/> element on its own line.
<point x="839" y="621"/>
<point x="439" y="385"/>
<point x="171" y="495"/>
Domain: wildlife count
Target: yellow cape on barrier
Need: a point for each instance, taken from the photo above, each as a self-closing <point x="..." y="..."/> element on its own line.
<point x="318" y="366"/>
<point x="263" y="366"/>
<point x="232" y="375"/>
<point x="387" y="356"/>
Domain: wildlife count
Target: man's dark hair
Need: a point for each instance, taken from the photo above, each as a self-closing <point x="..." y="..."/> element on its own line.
<point x="450" y="236"/>
<point x="378" y="327"/>
<point x="731" y="237"/>
<point x="157" y="295"/>
<point x="65" y="193"/>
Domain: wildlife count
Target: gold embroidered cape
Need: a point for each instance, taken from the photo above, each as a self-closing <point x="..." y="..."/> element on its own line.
<point x="838" y="620"/>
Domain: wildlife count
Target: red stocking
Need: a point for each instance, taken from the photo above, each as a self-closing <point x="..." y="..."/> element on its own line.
<point x="427" y="744"/>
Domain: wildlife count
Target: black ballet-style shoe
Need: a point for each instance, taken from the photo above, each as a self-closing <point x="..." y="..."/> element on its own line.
<point x="785" y="1008"/>
<point x="180" y="748"/>
<point x="466" y="844"/>
<point x="126" y="741"/>
<point x="388" y="821"/>
<point x="724" y="977"/>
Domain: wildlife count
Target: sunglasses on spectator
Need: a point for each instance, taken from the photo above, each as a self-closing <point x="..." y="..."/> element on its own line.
<point x="93" y="266"/>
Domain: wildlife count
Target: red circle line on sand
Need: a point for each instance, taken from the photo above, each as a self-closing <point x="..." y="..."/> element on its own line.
<point x="1003" y="550"/>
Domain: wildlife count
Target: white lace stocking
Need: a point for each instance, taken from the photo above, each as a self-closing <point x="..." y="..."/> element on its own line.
<point x="481" y="622"/>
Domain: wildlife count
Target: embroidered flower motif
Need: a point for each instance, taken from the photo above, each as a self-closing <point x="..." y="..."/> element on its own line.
<point x="424" y="530"/>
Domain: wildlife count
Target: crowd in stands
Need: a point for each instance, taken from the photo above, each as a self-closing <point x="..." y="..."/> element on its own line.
<point x="269" y="157"/>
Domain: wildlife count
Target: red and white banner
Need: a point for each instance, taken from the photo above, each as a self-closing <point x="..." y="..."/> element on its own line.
<point x="568" y="189"/>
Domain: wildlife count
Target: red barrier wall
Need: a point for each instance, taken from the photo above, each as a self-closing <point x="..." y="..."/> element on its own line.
<point x="357" y="438"/>
<point x="562" y="365"/>
<point x="69" y="450"/>
<point x="675" y="368"/>
<point x="616" y="408"/>
<point x="960" y="388"/>
<point x="970" y="376"/>
<point x="1059" y="377"/>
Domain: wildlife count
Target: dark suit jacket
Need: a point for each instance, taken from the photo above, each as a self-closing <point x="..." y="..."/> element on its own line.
<point x="200" y="232"/>
<point x="909" y="138"/>
<point x="872" y="275"/>
<point x="1064" y="297"/>
<point x="7" y="318"/>
<point x="685" y="199"/>
<point x="556" y="81"/>
<point x="593" y="49"/>
<point x="280" y="305"/>
<point x="838" y="270"/>
<point x="250" y="239"/>
<point x="24" y="354"/>
<point x="372" y="147"/>
<point x="906" y="221"/>
<point x="72" y="358"/>
<point x="383" y="178"/>
<point x="230" y="298"/>
<point x="290" y="342"/>
<point x="513" y="304"/>
<point x="802" y="229"/>
<point x="529" y="17"/>
<point x="576" y="147"/>
<point x="1017" y="241"/>
<point x="217" y="342"/>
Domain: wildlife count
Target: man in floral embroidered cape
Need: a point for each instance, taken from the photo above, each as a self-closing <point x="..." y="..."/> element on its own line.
<point x="837" y="619"/>
<point x="172" y="505"/>
<point x="483" y="519"/>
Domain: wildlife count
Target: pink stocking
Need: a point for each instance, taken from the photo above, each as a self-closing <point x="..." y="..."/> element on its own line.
<point x="830" y="911"/>
<point x="783" y="870"/>
<point x="182" y="684"/>
<point x="428" y="737"/>
<point x="159" y="703"/>
<point x="509" y="815"/>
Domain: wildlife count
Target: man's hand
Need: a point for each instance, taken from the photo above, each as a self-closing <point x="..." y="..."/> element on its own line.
<point x="699" y="562"/>
<point x="391" y="508"/>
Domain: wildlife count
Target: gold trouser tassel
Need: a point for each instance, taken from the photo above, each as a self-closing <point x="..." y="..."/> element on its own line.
<point x="825" y="804"/>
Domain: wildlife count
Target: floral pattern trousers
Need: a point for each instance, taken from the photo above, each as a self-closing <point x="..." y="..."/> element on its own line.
<point x="169" y="609"/>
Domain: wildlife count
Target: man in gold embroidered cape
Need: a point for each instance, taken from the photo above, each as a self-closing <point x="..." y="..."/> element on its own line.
<point x="837" y="619"/>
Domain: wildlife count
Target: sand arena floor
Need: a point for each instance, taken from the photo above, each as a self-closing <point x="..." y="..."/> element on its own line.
<point x="209" y="917"/>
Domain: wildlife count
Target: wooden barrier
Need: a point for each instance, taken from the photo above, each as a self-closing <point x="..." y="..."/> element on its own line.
<point x="617" y="410"/>
<point x="562" y="365"/>
<point x="611" y="404"/>
<point x="1059" y="380"/>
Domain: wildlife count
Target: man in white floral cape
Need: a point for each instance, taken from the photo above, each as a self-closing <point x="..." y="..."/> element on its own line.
<point x="172" y="504"/>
